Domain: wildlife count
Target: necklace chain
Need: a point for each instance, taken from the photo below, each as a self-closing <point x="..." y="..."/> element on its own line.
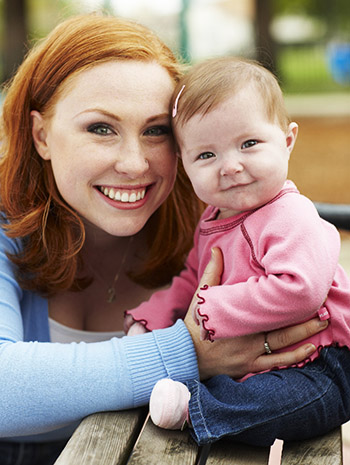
<point x="111" y="293"/>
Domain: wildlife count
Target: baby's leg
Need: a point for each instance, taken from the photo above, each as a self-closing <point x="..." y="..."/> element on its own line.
<point x="290" y="404"/>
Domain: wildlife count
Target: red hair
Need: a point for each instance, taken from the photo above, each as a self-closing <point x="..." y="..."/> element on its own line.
<point x="52" y="232"/>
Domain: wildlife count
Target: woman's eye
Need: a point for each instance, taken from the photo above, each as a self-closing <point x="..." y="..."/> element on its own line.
<point x="100" y="129"/>
<point x="157" y="131"/>
<point x="206" y="155"/>
<point x="249" y="143"/>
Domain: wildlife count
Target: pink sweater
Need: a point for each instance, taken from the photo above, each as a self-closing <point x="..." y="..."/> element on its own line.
<point x="280" y="268"/>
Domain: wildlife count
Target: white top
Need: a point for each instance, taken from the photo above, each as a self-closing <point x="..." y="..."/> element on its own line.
<point x="64" y="334"/>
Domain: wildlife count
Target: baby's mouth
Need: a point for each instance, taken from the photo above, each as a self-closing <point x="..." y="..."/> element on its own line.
<point x="123" y="195"/>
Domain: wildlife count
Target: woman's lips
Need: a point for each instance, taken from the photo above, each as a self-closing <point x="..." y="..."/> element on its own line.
<point x="123" y="195"/>
<point x="125" y="198"/>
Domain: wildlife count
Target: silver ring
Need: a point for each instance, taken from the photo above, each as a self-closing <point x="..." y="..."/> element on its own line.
<point x="267" y="348"/>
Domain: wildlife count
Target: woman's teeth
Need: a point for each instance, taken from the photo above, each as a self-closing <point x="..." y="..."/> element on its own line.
<point x="123" y="196"/>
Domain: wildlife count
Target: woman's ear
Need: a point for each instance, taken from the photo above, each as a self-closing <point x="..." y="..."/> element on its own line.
<point x="291" y="137"/>
<point x="39" y="134"/>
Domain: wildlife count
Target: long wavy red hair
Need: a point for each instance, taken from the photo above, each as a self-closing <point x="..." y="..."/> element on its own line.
<point x="52" y="232"/>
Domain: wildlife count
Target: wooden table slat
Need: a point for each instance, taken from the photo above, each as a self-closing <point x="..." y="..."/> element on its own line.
<point x="323" y="450"/>
<point x="103" y="439"/>
<point x="228" y="453"/>
<point x="117" y="438"/>
<point x="157" y="446"/>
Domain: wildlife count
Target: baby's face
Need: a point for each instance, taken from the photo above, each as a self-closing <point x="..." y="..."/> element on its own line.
<point x="236" y="159"/>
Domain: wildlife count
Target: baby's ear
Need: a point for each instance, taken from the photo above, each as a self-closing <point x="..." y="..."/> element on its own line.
<point x="291" y="137"/>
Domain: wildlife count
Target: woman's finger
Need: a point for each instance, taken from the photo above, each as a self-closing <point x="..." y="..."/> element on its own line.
<point x="268" y="362"/>
<point x="281" y="338"/>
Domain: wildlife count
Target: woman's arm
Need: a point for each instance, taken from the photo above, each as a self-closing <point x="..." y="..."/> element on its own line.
<point x="246" y="354"/>
<point x="45" y="386"/>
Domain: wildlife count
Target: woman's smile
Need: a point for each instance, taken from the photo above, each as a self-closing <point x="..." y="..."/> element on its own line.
<point x="123" y="195"/>
<point x="125" y="198"/>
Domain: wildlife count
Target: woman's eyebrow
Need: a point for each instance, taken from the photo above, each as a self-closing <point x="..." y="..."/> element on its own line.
<point x="109" y="114"/>
<point x="157" y="117"/>
<point x="98" y="110"/>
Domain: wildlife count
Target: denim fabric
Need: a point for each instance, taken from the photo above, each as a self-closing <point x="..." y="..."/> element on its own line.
<point x="290" y="404"/>
<point x="30" y="453"/>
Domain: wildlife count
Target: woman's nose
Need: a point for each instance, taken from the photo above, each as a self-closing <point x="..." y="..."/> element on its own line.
<point x="132" y="160"/>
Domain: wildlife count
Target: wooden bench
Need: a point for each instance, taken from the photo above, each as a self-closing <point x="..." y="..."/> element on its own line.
<point x="129" y="437"/>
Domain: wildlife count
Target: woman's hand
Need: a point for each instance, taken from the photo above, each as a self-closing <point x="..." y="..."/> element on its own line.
<point x="239" y="356"/>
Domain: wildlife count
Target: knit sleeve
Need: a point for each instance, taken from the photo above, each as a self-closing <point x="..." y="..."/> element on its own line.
<point x="45" y="386"/>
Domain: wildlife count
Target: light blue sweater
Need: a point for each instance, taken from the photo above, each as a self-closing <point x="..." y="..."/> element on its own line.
<point x="47" y="388"/>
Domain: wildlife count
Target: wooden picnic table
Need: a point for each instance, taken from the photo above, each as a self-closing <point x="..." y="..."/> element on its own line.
<point x="130" y="437"/>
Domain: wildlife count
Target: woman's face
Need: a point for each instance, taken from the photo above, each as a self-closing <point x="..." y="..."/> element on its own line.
<point x="110" y="144"/>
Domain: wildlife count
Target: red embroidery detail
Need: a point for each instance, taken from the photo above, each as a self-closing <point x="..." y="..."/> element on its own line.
<point x="236" y="222"/>
<point x="203" y="316"/>
<point x="206" y="333"/>
<point x="250" y="243"/>
<point x="144" y="322"/>
<point x="202" y="299"/>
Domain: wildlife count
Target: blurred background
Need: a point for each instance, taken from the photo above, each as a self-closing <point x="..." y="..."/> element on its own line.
<point x="306" y="43"/>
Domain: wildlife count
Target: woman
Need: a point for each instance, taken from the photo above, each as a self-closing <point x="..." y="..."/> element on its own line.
<point x="91" y="225"/>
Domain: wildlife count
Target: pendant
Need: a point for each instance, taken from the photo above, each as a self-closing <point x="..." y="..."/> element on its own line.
<point x="111" y="295"/>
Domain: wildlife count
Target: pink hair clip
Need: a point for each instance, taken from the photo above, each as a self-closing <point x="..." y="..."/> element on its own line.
<point x="177" y="101"/>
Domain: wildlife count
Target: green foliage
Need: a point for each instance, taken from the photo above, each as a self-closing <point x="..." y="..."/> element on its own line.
<point x="305" y="70"/>
<point x="336" y="13"/>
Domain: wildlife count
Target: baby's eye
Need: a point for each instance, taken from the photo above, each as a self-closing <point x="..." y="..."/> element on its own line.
<point x="101" y="129"/>
<point x="157" y="131"/>
<point x="206" y="155"/>
<point x="249" y="143"/>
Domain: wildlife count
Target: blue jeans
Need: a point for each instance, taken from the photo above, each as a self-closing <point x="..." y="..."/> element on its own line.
<point x="289" y="404"/>
<point x="30" y="453"/>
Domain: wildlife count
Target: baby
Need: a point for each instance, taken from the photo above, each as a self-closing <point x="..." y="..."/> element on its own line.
<point x="281" y="267"/>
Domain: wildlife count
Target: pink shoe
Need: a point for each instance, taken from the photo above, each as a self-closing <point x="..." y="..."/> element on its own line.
<point x="169" y="404"/>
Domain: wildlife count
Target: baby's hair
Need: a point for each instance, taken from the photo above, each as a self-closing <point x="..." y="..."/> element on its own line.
<point x="213" y="81"/>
